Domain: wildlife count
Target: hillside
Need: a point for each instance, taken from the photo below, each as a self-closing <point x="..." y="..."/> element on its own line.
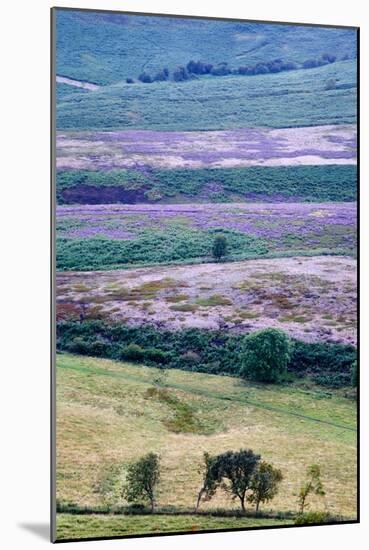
<point x="286" y="99"/>
<point x="106" y="48"/>
<point x="312" y="299"/>
<point x="111" y="413"/>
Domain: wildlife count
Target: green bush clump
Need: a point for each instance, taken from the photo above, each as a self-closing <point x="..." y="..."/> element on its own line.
<point x="328" y="364"/>
<point x="150" y="247"/>
<point x="197" y="104"/>
<point x="306" y="183"/>
<point x="312" y="518"/>
<point x="198" y="350"/>
<point x="132" y="352"/>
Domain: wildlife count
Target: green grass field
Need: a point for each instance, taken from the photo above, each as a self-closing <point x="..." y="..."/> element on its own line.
<point x="94" y="526"/>
<point x="289" y="99"/>
<point x="110" y="413"/>
<point x="105" y="48"/>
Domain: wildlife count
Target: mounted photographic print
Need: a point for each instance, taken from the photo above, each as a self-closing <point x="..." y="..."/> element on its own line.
<point x="204" y="362"/>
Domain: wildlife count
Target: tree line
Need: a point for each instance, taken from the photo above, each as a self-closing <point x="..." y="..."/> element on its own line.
<point x="241" y="474"/>
<point x="199" y="68"/>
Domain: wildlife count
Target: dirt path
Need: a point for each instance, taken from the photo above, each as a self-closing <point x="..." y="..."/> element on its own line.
<point x="77" y="83"/>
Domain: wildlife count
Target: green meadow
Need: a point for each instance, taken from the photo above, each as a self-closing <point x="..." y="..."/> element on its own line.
<point x="110" y="413"/>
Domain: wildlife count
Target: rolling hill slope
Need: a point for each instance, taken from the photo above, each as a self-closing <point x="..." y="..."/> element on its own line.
<point x="113" y="413"/>
<point x="287" y="99"/>
<point x="105" y="48"/>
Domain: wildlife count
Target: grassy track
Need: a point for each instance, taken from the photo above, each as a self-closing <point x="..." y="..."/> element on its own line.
<point x="70" y="526"/>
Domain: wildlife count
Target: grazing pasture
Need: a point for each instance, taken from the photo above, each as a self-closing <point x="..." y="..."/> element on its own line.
<point x="281" y="100"/>
<point x="109" y="414"/>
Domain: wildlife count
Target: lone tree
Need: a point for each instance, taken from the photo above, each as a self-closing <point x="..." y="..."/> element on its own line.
<point x="266" y="355"/>
<point x="264" y="484"/>
<point x="220" y="247"/>
<point x="313" y="485"/>
<point x="238" y="468"/>
<point x="330" y="84"/>
<point x="232" y="470"/>
<point x="142" y="479"/>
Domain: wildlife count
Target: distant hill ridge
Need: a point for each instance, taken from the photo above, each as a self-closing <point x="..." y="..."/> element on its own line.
<point x="105" y="48"/>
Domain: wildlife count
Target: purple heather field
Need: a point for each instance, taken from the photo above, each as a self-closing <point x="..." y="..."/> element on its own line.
<point x="243" y="147"/>
<point x="273" y="222"/>
<point x="312" y="299"/>
<point x="286" y="229"/>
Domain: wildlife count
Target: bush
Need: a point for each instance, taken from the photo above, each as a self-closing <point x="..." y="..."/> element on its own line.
<point x="156" y="356"/>
<point x="330" y="84"/>
<point x="221" y="69"/>
<point x="79" y="345"/>
<point x="98" y="348"/>
<point x="145" y="78"/>
<point x="198" y="67"/>
<point x="161" y="76"/>
<point x="266" y="355"/>
<point x="312" y="518"/>
<point x="289" y="66"/>
<point x="354" y="374"/>
<point x="310" y="64"/>
<point x="261" y="68"/>
<point x="329" y="58"/>
<point x="243" y="70"/>
<point x="200" y="350"/>
<point x="275" y="66"/>
<point x="219" y="247"/>
<point x="132" y="352"/>
<point x="328" y="364"/>
<point x="180" y="74"/>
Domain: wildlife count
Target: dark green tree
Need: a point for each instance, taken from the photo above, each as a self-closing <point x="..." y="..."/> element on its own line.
<point x="211" y="478"/>
<point x="264" y="484"/>
<point x="180" y="74"/>
<point x="145" y="78"/>
<point x="220" y="247"/>
<point x="232" y="470"/>
<point x="142" y="479"/>
<point x="313" y="485"/>
<point x="238" y="469"/>
<point x="266" y="355"/>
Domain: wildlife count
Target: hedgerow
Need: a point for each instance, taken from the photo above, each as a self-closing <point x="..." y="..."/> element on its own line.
<point x="199" y="350"/>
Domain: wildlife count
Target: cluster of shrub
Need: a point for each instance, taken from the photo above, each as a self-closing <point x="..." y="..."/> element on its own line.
<point x="309" y="183"/>
<point x="242" y="474"/>
<point x="266" y="356"/>
<point x="199" y="68"/>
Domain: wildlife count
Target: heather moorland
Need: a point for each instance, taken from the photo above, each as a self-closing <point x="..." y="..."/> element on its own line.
<point x="206" y="243"/>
